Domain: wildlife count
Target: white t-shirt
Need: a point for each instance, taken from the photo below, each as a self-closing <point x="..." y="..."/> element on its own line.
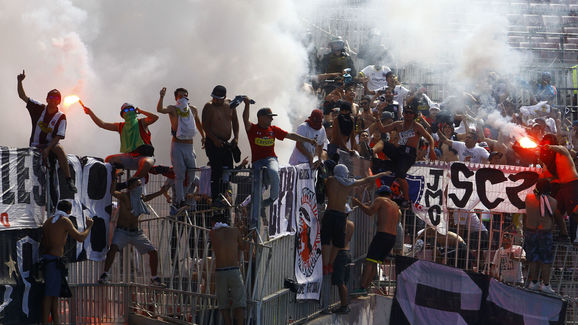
<point x="399" y="95"/>
<point x="475" y="154"/>
<point x="305" y="130"/>
<point x="507" y="269"/>
<point x="375" y="78"/>
<point x="461" y="217"/>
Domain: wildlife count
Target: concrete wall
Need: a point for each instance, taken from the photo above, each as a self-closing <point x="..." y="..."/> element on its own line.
<point x="370" y="310"/>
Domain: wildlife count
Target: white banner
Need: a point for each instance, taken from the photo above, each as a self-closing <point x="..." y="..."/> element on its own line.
<point x="23" y="190"/>
<point x="308" y="263"/>
<point x="426" y="191"/>
<point x="282" y="211"/>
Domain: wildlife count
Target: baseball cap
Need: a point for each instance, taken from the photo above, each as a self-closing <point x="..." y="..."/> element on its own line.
<point x="54" y="92"/>
<point x="219" y="92"/>
<point x="265" y="111"/>
<point x="386" y="115"/>
<point x="125" y="105"/>
<point x="316" y="114"/>
<point x="383" y="190"/>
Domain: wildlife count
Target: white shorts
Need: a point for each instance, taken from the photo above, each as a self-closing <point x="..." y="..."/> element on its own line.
<point x="136" y="238"/>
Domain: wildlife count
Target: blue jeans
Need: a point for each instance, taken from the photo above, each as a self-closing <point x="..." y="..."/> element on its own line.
<point x="183" y="160"/>
<point x="270" y="177"/>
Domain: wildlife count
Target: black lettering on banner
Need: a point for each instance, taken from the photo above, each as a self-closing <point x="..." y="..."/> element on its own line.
<point x="97" y="181"/>
<point x="495" y="176"/>
<point x="434" y="211"/>
<point x="98" y="234"/>
<point x="289" y="193"/>
<point x="530" y="178"/>
<point x="22" y="174"/>
<point x="468" y="186"/>
<point x="438" y="173"/>
<point x="65" y="193"/>
<point x="7" y="194"/>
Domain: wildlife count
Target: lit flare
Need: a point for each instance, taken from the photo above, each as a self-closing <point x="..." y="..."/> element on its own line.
<point x="527" y="143"/>
<point x="69" y="100"/>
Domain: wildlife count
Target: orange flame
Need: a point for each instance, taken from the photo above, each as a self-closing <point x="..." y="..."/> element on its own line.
<point x="69" y="100"/>
<point x="527" y="143"/>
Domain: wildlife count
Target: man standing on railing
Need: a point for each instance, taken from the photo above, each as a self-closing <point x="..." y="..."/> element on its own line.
<point x="226" y="242"/>
<point x="54" y="234"/>
<point x="130" y="206"/>
<point x="387" y="213"/>
<point x="185" y="124"/>
<point x="262" y="140"/>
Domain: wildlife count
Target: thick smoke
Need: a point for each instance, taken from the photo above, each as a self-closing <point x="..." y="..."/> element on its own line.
<point x="111" y="52"/>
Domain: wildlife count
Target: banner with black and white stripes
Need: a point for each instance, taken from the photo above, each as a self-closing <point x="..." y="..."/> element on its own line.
<point x="430" y="293"/>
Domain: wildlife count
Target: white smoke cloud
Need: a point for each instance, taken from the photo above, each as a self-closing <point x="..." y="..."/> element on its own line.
<point x="111" y="52"/>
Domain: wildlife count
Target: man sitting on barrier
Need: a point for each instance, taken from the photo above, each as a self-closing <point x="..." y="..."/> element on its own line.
<point x="135" y="139"/>
<point x="130" y="206"/>
<point x="339" y="188"/>
<point x="387" y="213"/>
<point x="48" y="128"/>
<point x="226" y="242"/>
<point x="262" y="140"/>
<point x="54" y="234"/>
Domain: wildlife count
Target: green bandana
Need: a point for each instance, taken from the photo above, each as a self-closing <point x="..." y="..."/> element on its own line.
<point x="130" y="138"/>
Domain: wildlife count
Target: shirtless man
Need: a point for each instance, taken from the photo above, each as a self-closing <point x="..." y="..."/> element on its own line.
<point x="185" y="124"/>
<point x="451" y="239"/>
<point x="226" y="243"/>
<point x="559" y="166"/>
<point x="130" y="207"/>
<point x="48" y="128"/>
<point x="218" y="122"/>
<point x="387" y="213"/>
<point x="541" y="209"/>
<point x="55" y="232"/>
<point x="404" y="153"/>
<point x="339" y="188"/>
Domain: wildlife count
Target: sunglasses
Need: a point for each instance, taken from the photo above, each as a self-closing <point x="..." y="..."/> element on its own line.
<point x="53" y="97"/>
<point x="128" y="109"/>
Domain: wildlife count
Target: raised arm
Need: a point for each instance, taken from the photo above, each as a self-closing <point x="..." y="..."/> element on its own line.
<point x="100" y="123"/>
<point x="21" y="92"/>
<point x="150" y="118"/>
<point x="443" y="138"/>
<point x="235" y="121"/>
<point x="424" y="133"/>
<point x="160" y="108"/>
<point x="246" y="113"/>
<point x="299" y="138"/>
<point x="74" y="233"/>
<point x="369" y="210"/>
<point x="160" y="192"/>
<point x="370" y="179"/>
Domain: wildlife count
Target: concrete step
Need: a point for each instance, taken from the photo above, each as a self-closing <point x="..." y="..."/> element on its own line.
<point x="368" y="310"/>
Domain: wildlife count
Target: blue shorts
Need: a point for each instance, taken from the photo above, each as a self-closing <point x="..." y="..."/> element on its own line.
<point x="52" y="276"/>
<point x="538" y="246"/>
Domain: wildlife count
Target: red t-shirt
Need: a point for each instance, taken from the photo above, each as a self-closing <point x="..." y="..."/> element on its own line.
<point x="262" y="141"/>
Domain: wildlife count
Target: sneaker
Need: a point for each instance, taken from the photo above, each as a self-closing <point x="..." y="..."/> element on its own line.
<point x="70" y="184"/>
<point x="342" y="310"/>
<point x="359" y="292"/>
<point x="104" y="278"/>
<point x="534" y="286"/>
<point x="156" y="281"/>
<point x="547" y="289"/>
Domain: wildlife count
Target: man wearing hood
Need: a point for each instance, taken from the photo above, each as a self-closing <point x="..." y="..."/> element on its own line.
<point x="185" y="124"/>
<point x="262" y="141"/>
<point x="135" y="139"/>
<point x="131" y="204"/>
<point x="339" y="188"/>
<point x="312" y="128"/>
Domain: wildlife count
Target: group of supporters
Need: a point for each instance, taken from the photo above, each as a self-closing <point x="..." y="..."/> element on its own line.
<point x="367" y="125"/>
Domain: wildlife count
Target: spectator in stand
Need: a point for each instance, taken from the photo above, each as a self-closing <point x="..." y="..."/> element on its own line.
<point x="374" y="77"/>
<point x="507" y="262"/>
<point x="559" y="166"/>
<point x="48" y="128"/>
<point x="135" y="139"/>
<point x="338" y="59"/>
<point x="469" y="150"/>
<point x="304" y="152"/>
<point x="227" y="243"/>
<point x="55" y="232"/>
<point x="262" y="140"/>
<point x="365" y="111"/>
<point x="404" y="154"/>
<point x="130" y="207"/>
<point x="220" y="122"/>
<point x="400" y="93"/>
<point x="343" y="127"/>
<point x="388" y="214"/>
<point x="538" y="221"/>
<point x="545" y="90"/>
<point x="185" y="124"/>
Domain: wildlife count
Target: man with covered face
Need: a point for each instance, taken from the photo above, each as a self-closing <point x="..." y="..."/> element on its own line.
<point x="312" y="128"/>
<point x="185" y="124"/>
<point x="48" y="127"/>
<point x="135" y="139"/>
